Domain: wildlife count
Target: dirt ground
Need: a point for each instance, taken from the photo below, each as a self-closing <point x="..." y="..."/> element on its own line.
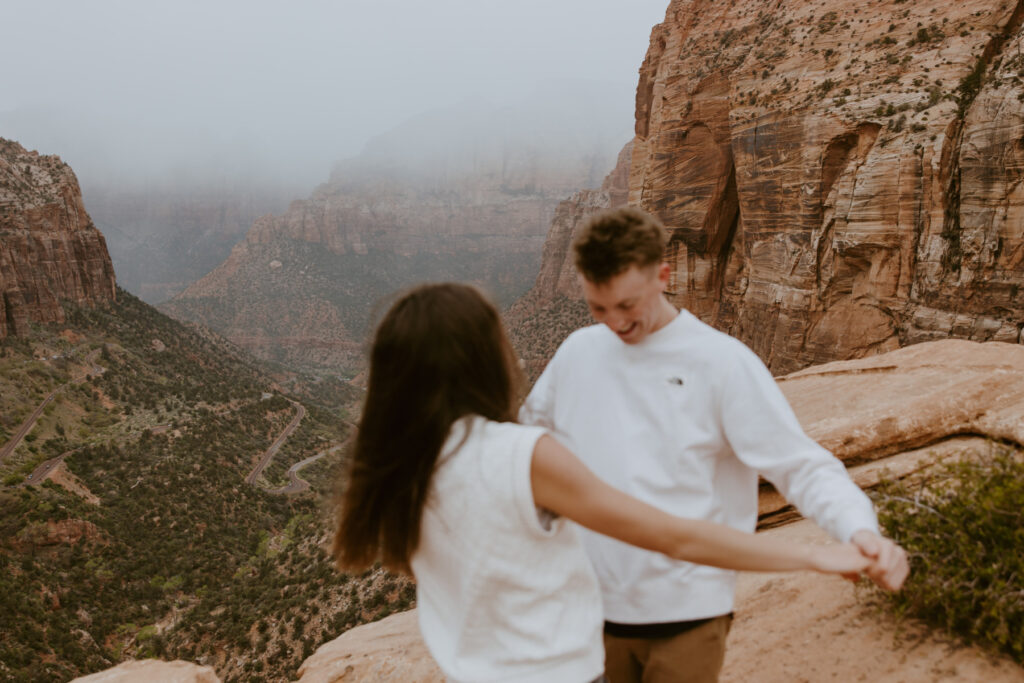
<point x="808" y="627"/>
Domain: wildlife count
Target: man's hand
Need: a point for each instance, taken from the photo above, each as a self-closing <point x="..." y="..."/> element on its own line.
<point x="889" y="567"/>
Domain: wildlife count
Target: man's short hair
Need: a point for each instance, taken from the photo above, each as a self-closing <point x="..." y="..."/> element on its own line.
<point x="612" y="241"/>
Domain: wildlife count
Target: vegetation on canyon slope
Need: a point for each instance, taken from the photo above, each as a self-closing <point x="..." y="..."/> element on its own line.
<point x="154" y="545"/>
<point x="964" y="530"/>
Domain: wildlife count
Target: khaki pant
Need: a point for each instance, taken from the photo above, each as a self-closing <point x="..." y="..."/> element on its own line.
<point x="694" y="656"/>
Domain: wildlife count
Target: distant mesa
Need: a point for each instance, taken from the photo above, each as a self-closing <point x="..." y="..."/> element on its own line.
<point x="50" y="251"/>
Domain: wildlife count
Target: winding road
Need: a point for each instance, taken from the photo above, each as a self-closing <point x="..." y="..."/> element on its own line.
<point x="40" y="473"/>
<point x="269" y="454"/>
<point x="297" y="485"/>
<point x="27" y="425"/>
<point x="30" y="421"/>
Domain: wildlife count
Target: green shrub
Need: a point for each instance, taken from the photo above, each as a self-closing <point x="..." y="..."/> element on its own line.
<point x="964" y="531"/>
<point x="969" y="86"/>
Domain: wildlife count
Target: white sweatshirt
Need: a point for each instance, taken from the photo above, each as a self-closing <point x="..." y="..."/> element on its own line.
<point x="501" y="595"/>
<point x="685" y="420"/>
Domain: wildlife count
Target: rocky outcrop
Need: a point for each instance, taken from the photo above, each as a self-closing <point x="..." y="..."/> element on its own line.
<point x="63" y="532"/>
<point x="796" y="626"/>
<point x="900" y="410"/>
<point x="388" y="651"/>
<point x="50" y="251"/>
<point x="808" y="627"/>
<point x="863" y="409"/>
<point x="838" y="180"/>
<point x="150" y="670"/>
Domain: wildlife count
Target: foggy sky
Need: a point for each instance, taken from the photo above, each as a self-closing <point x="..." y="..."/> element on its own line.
<point x="129" y="91"/>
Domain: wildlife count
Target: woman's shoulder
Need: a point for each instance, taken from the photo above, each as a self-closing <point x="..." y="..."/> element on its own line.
<point x="472" y="432"/>
<point x="495" y="433"/>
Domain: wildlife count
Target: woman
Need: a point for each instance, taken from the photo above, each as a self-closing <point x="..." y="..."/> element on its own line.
<point x="444" y="484"/>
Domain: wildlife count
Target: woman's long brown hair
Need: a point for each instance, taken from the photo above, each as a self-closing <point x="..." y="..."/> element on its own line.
<point x="439" y="354"/>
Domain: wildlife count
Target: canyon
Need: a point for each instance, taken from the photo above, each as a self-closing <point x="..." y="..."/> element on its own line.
<point x="163" y="236"/>
<point x="463" y="194"/>
<point x="841" y="184"/>
<point x="50" y="250"/>
<point x="539" y="320"/>
<point x="837" y="180"/>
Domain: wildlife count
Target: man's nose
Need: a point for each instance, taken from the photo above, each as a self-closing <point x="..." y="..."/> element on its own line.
<point x="614" y="320"/>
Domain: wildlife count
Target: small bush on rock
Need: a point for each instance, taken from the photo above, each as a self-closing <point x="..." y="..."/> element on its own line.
<point x="964" y="531"/>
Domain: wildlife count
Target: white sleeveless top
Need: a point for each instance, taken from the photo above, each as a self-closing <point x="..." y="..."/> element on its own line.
<point x="502" y="595"/>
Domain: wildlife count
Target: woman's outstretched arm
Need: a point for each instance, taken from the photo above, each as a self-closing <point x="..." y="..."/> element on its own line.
<point x="564" y="485"/>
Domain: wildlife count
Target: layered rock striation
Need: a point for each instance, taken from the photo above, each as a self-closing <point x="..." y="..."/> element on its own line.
<point x="50" y="251"/>
<point x="839" y="179"/>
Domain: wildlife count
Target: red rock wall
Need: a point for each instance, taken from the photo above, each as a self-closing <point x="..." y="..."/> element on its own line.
<point x="835" y="182"/>
<point x="49" y="249"/>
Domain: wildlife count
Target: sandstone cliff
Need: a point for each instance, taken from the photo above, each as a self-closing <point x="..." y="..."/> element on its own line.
<point x="839" y="179"/>
<point x="49" y="248"/>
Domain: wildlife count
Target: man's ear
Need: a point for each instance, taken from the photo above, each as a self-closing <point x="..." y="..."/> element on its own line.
<point x="664" y="273"/>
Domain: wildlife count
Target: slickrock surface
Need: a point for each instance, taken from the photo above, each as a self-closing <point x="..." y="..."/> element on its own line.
<point x="907" y="402"/>
<point x="839" y="178"/>
<point x="893" y="414"/>
<point x="49" y="248"/>
<point x="388" y="651"/>
<point x="862" y="409"/>
<point x="153" y="671"/>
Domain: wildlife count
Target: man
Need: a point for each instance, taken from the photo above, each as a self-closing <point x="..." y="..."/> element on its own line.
<point x="684" y="417"/>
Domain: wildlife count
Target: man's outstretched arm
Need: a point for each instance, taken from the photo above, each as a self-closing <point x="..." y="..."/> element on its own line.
<point x="765" y="434"/>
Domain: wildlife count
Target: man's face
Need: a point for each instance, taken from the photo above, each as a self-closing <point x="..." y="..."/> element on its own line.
<point x="631" y="303"/>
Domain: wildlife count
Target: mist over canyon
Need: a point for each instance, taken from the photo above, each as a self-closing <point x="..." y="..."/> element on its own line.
<point x="466" y="193"/>
<point x="837" y="181"/>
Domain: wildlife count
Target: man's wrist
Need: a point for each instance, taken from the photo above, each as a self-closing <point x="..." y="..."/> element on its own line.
<point x="863" y="532"/>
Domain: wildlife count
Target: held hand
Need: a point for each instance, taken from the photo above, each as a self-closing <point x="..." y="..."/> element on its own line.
<point x="889" y="566"/>
<point x="845" y="559"/>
